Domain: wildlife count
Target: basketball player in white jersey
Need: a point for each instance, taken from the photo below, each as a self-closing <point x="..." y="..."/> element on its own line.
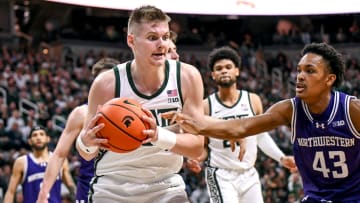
<point x="228" y="178"/>
<point x="72" y="129"/>
<point x="149" y="173"/>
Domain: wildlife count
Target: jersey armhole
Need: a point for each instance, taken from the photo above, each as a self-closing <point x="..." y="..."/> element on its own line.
<point x="117" y="82"/>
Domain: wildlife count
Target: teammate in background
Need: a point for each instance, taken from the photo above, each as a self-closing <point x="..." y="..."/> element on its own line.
<point x="149" y="173"/>
<point x="229" y="179"/>
<point x="172" y="52"/>
<point x="28" y="170"/>
<point x="72" y="129"/>
<point x="325" y="127"/>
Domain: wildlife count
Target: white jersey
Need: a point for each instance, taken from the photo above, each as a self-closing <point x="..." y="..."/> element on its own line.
<point x="148" y="163"/>
<point x="220" y="154"/>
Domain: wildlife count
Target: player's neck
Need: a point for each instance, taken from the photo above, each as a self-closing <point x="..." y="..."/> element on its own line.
<point x="41" y="155"/>
<point x="318" y="106"/>
<point x="228" y="95"/>
<point x="148" y="81"/>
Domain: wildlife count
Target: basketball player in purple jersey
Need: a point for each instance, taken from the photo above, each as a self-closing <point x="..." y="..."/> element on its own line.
<point x="325" y="127"/>
<point x="72" y="129"/>
<point x="28" y="170"/>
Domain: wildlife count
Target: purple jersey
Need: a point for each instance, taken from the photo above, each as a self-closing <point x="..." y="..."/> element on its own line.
<point x="33" y="177"/>
<point x="83" y="182"/>
<point x="327" y="150"/>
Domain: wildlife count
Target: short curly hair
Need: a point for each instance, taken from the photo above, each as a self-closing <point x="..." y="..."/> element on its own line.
<point x="334" y="59"/>
<point x="225" y="52"/>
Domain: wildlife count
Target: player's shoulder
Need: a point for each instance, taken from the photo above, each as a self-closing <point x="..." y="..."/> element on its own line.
<point x="187" y="67"/>
<point x="80" y="110"/>
<point x="355" y="102"/>
<point x="20" y="162"/>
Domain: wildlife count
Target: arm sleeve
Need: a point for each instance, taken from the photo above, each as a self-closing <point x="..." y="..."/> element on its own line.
<point x="269" y="147"/>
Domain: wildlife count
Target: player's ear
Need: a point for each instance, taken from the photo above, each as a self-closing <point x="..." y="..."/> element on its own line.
<point x="237" y="71"/>
<point x="213" y="75"/>
<point x="130" y="40"/>
<point x="331" y="78"/>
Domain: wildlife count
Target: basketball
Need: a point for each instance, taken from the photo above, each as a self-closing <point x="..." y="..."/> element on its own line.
<point x="123" y="125"/>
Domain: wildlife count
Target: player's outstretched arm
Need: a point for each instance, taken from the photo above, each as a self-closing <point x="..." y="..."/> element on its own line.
<point x="279" y="114"/>
<point x="15" y="179"/>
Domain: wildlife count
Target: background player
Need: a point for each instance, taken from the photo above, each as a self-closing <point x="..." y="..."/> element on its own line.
<point x="229" y="179"/>
<point x="172" y="52"/>
<point x="148" y="174"/>
<point x="325" y="127"/>
<point x="72" y="129"/>
<point x="28" y="170"/>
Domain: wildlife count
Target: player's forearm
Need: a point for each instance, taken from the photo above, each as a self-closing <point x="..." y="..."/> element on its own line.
<point x="222" y="129"/>
<point x="188" y="145"/>
<point x="51" y="172"/>
<point x="269" y="147"/>
<point x="9" y="197"/>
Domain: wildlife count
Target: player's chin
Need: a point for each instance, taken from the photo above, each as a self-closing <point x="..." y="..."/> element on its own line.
<point x="301" y="93"/>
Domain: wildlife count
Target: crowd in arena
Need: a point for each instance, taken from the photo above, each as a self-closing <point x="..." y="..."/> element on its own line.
<point x="55" y="87"/>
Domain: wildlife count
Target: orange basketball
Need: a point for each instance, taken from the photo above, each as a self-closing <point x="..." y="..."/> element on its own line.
<point x="123" y="124"/>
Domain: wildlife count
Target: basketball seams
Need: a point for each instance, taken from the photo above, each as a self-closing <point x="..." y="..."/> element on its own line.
<point x="114" y="146"/>
<point x="115" y="125"/>
<point x="123" y="124"/>
<point x="129" y="109"/>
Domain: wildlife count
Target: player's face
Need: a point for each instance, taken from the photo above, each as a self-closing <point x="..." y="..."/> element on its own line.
<point x="39" y="140"/>
<point x="225" y="72"/>
<point x="150" y="42"/>
<point x="172" y="53"/>
<point x="313" y="78"/>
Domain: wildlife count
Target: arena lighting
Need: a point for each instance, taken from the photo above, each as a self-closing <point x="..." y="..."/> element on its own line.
<point x="230" y="7"/>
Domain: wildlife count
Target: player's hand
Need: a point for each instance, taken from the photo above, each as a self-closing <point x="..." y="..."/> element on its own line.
<point x="88" y="135"/>
<point x="193" y="165"/>
<point x="42" y="198"/>
<point x="289" y="163"/>
<point x="242" y="143"/>
<point x="151" y="133"/>
<point x="185" y="121"/>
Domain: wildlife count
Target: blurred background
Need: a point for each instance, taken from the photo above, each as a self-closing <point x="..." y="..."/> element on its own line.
<point x="48" y="48"/>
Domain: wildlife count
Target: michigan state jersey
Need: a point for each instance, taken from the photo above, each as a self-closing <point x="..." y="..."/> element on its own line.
<point x="32" y="180"/>
<point x="323" y="144"/>
<point x="219" y="151"/>
<point x="148" y="163"/>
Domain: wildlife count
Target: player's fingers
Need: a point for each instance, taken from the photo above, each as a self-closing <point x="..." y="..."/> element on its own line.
<point x="169" y="114"/>
<point x="147" y="112"/>
<point x="232" y="145"/>
<point x="150" y="120"/>
<point x="96" y="128"/>
<point x="94" y="120"/>
<point x="241" y="154"/>
<point x="99" y="141"/>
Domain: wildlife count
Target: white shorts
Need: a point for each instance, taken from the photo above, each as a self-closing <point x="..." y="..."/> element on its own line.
<point x="226" y="186"/>
<point x="110" y="189"/>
